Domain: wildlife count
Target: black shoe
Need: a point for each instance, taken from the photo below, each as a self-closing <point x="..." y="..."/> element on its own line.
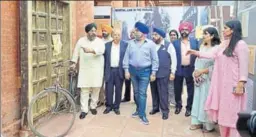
<point x="165" y="116"/>
<point x="82" y="115"/>
<point x="94" y="111"/>
<point x="107" y="110"/>
<point x="99" y="104"/>
<point x="177" y="111"/>
<point x="125" y="100"/>
<point x="188" y="113"/>
<point x="117" y="111"/>
<point x="153" y="112"/>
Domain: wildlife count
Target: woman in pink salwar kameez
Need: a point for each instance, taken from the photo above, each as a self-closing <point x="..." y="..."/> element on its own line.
<point x="226" y="94"/>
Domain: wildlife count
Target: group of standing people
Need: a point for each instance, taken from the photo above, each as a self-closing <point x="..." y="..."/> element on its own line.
<point x="215" y="72"/>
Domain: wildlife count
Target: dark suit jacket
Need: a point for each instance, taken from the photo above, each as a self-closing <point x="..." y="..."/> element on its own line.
<point x="194" y="44"/>
<point x="107" y="56"/>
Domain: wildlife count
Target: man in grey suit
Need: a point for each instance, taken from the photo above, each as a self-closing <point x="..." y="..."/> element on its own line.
<point x="114" y="72"/>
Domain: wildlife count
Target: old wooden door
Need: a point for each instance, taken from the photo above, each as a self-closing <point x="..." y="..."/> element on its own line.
<point x="48" y="18"/>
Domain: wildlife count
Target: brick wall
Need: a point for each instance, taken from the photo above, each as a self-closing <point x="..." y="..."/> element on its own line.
<point x="117" y="4"/>
<point x="10" y="72"/>
<point x="83" y="16"/>
<point x="10" y="68"/>
<point x="80" y="18"/>
<point x="74" y="37"/>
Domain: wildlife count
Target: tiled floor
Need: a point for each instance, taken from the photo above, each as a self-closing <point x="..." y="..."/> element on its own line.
<point x="111" y="125"/>
<point x="124" y="125"/>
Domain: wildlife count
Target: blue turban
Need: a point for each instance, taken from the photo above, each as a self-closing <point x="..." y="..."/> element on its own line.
<point x="142" y="27"/>
<point x="89" y="27"/>
<point x="159" y="31"/>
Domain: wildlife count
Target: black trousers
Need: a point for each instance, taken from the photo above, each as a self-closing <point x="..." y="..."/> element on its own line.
<point x="114" y="84"/>
<point x="127" y="93"/>
<point x="159" y="91"/>
<point x="178" y="87"/>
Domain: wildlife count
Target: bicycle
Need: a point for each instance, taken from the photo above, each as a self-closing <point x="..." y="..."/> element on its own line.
<point x="74" y="90"/>
<point x="64" y="103"/>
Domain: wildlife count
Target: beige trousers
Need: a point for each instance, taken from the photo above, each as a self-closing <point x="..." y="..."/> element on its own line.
<point x="102" y="93"/>
<point x="85" y="98"/>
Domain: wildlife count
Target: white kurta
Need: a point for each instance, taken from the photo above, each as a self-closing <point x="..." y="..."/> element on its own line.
<point x="91" y="66"/>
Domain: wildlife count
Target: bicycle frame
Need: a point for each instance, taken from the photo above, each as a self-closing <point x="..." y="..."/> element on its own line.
<point x="57" y="85"/>
<point x="64" y="101"/>
<point x="72" y="77"/>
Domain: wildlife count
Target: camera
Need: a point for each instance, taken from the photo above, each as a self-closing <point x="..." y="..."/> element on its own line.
<point x="246" y="124"/>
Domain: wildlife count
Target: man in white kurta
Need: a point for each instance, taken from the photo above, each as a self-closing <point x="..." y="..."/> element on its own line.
<point x="89" y="50"/>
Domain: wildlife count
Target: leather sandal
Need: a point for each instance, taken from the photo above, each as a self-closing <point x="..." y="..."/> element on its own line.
<point x="195" y="127"/>
<point x="207" y="131"/>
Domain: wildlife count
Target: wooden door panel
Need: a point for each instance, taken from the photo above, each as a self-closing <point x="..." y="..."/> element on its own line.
<point x="47" y="20"/>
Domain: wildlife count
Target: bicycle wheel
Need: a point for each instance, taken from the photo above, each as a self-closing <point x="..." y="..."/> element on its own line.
<point x="54" y="119"/>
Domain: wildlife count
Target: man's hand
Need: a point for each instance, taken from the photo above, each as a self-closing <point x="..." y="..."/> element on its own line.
<point x="73" y="66"/>
<point x="152" y="77"/>
<point x="87" y="50"/>
<point x="127" y="75"/>
<point x="171" y="77"/>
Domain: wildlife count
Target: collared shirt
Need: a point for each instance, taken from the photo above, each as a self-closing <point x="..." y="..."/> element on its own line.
<point x="107" y="40"/>
<point x="115" y="53"/>
<point x="141" y="55"/>
<point x="171" y="50"/>
<point x="185" y="59"/>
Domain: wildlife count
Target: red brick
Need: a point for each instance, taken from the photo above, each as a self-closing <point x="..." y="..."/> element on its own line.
<point x="117" y="4"/>
<point x="11" y="111"/>
<point x="9" y="68"/>
<point x="83" y="16"/>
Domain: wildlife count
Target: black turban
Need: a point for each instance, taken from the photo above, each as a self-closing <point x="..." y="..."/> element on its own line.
<point x="90" y="26"/>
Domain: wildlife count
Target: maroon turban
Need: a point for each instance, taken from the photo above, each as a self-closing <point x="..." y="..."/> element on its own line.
<point x="186" y="25"/>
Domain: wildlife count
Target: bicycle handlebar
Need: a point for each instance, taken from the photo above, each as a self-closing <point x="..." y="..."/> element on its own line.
<point x="61" y="64"/>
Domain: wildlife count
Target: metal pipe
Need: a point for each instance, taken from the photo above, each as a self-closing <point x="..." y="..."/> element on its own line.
<point x="216" y="16"/>
<point x="209" y="14"/>
<point x="0" y="81"/>
<point x="221" y="21"/>
<point x="235" y="10"/>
